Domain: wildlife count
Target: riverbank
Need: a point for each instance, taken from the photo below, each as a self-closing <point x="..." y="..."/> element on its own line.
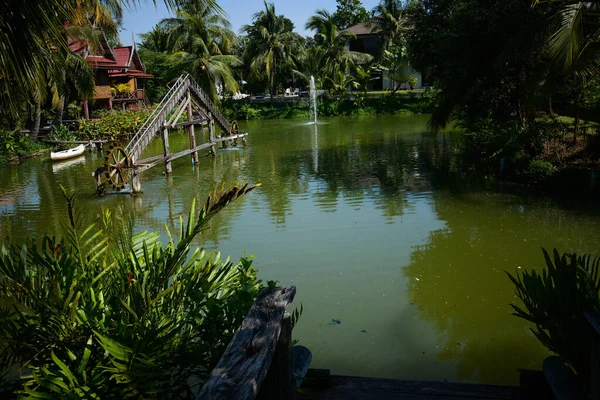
<point x="15" y="148"/>
<point x="327" y="107"/>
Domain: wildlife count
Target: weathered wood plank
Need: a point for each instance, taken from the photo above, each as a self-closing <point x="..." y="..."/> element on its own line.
<point x="279" y="382"/>
<point x="358" y="388"/>
<point x="562" y="380"/>
<point x="244" y="365"/>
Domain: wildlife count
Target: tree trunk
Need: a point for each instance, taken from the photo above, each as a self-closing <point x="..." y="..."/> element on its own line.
<point x="59" y="112"/>
<point x="272" y="83"/>
<point x="550" y="109"/>
<point x="577" y="117"/>
<point x="37" y="114"/>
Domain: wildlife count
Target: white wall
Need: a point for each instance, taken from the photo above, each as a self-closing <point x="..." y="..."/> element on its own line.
<point x="388" y="84"/>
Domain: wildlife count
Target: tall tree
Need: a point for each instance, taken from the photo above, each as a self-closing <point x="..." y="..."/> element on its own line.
<point x="348" y="13"/>
<point x="334" y="43"/>
<point x="202" y="44"/>
<point x="388" y="17"/>
<point x="270" y="44"/>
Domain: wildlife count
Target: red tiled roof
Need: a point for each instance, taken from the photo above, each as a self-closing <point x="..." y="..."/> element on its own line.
<point x="100" y="60"/>
<point x="123" y="55"/>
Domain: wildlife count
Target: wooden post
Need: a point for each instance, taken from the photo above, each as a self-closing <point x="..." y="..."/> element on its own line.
<point x="279" y="382"/>
<point x="211" y="133"/>
<point x="136" y="183"/>
<point x="191" y="127"/>
<point x="251" y="354"/>
<point x="167" y="150"/>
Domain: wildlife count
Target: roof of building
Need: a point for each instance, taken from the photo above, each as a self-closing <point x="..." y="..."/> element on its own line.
<point x="128" y="63"/>
<point x="364" y="28"/>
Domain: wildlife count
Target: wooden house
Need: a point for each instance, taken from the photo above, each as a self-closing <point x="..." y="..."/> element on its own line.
<point x="113" y="66"/>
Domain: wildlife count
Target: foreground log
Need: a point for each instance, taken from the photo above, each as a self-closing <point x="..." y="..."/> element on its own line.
<point x="247" y="359"/>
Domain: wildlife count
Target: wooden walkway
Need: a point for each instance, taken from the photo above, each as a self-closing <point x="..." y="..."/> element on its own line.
<point x="359" y="388"/>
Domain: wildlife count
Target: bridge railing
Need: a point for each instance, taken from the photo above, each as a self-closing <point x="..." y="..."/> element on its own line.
<point x="148" y="127"/>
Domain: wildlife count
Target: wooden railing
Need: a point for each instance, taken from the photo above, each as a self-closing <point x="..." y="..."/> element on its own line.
<point x="257" y="363"/>
<point x="135" y="95"/>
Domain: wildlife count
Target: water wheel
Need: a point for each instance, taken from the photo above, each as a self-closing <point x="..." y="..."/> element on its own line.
<point x="116" y="167"/>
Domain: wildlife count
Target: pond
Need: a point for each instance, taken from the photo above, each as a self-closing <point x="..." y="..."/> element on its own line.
<point x="400" y="274"/>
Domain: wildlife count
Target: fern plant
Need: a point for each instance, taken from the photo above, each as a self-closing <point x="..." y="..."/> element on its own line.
<point x="104" y="313"/>
<point x="555" y="301"/>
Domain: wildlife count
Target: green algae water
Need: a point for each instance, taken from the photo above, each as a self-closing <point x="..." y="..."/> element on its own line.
<point x="400" y="274"/>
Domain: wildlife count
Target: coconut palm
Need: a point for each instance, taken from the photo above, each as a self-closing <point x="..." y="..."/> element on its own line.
<point x="271" y="44"/>
<point x="310" y="62"/>
<point x="202" y="43"/>
<point x="387" y="16"/>
<point x="334" y="43"/>
<point x="574" y="37"/>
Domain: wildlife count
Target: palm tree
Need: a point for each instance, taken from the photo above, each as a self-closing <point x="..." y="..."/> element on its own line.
<point x="310" y="62"/>
<point x="73" y="76"/>
<point x="271" y="44"/>
<point x="363" y="78"/>
<point x="202" y="43"/>
<point x="395" y="63"/>
<point x="387" y="16"/>
<point x="338" y="85"/>
<point x="572" y="32"/>
<point x="334" y="43"/>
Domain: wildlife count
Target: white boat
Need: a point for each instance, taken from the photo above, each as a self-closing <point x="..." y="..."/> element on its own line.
<point x="63" y="155"/>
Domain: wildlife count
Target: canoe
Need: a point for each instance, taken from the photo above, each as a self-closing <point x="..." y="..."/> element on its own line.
<point x="63" y="155"/>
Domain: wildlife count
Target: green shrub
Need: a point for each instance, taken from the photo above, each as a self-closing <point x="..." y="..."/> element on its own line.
<point x="537" y="171"/>
<point x="106" y="314"/>
<point x="63" y="133"/>
<point x="555" y="301"/>
<point x="113" y="124"/>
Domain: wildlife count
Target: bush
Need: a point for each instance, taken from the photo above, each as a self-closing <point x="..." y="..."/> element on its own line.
<point x="104" y="313"/>
<point x="113" y="124"/>
<point x="555" y="301"/>
<point x="537" y="171"/>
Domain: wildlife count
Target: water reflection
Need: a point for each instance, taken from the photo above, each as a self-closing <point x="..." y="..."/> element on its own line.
<point x="364" y="216"/>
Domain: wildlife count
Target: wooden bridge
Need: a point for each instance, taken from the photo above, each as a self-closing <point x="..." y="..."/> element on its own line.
<point x="185" y="96"/>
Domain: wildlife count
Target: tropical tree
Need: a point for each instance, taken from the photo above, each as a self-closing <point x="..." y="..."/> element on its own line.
<point x="363" y="78"/>
<point x="387" y="16"/>
<point x="202" y="43"/>
<point x="395" y="64"/>
<point x="270" y="44"/>
<point x="334" y="42"/>
<point x="310" y="62"/>
<point x="340" y="82"/>
<point x="348" y="13"/>
<point x="572" y="32"/>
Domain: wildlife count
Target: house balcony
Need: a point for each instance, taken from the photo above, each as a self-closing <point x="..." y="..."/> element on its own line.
<point x="136" y="96"/>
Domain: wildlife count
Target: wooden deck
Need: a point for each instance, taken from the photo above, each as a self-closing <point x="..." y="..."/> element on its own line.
<point x="358" y="388"/>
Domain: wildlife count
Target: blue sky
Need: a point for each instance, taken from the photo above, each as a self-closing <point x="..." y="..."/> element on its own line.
<point x="239" y="12"/>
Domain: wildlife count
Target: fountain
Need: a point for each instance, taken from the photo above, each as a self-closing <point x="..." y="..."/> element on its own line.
<point x="312" y="112"/>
